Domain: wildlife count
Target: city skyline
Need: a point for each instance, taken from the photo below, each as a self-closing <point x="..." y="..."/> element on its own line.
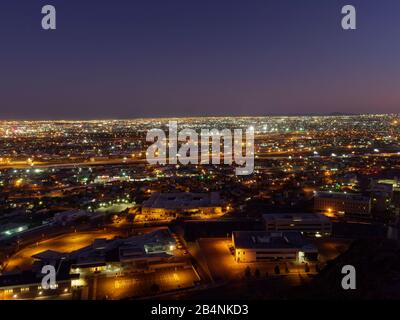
<point x="83" y="197"/>
<point x="199" y="157"/>
<point x="182" y="117"/>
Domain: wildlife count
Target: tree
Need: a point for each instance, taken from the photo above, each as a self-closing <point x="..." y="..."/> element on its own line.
<point x="247" y="272"/>
<point x="277" y="269"/>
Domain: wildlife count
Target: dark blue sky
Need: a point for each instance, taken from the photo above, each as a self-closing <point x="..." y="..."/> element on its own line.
<point x="128" y="58"/>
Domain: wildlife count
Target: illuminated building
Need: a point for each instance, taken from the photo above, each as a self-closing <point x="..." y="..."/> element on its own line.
<point x="310" y="224"/>
<point x="342" y="203"/>
<point x="256" y="246"/>
<point x="109" y="255"/>
<point x="169" y="205"/>
<point x="385" y="194"/>
<point x="116" y="268"/>
<point x="108" y="179"/>
<point x="28" y="284"/>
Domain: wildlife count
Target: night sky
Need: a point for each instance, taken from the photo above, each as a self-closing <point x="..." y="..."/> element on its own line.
<point x="153" y="58"/>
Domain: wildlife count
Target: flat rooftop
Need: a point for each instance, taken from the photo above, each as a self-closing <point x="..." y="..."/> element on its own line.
<point x="182" y="200"/>
<point x="341" y="196"/>
<point x="146" y="245"/>
<point x="296" y="217"/>
<point x="269" y="240"/>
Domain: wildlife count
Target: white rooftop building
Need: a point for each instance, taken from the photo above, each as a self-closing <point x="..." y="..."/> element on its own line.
<point x="164" y="205"/>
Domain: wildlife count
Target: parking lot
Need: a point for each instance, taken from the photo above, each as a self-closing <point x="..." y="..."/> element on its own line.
<point x="143" y="284"/>
<point x="64" y="243"/>
<point x="223" y="267"/>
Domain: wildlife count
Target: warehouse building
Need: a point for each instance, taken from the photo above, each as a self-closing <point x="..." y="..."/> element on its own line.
<point x="257" y="246"/>
<point x="162" y="206"/>
<point x="310" y="224"/>
<point x="342" y="203"/>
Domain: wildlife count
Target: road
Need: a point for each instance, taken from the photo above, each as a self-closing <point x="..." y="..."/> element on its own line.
<point x="122" y="161"/>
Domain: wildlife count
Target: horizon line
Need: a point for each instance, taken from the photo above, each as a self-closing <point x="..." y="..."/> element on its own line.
<point x="334" y="114"/>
